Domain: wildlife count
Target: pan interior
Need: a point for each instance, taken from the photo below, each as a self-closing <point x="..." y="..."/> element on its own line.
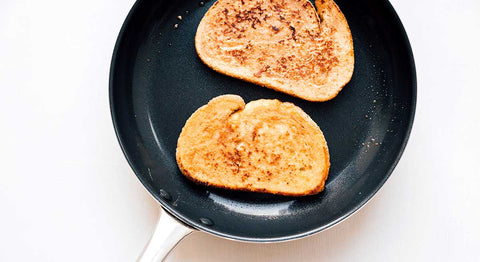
<point x="157" y="81"/>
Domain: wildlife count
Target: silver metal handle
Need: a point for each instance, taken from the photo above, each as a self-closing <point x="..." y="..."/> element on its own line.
<point x="168" y="233"/>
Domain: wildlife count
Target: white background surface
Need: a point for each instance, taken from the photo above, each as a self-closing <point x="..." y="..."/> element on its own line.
<point x="68" y="194"/>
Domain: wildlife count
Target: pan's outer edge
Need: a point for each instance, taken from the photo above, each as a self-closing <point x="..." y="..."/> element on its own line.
<point x="206" y="229"/>
<point x="113" y="62"/>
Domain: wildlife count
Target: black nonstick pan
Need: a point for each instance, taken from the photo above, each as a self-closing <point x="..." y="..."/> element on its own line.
<point x="157" y="81"/>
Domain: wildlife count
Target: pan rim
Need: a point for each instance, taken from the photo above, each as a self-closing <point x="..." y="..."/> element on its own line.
<point x="206" y="229"/>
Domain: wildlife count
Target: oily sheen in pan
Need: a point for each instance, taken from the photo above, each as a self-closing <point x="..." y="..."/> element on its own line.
<point x="280" y="44"/>
<point x="263" y="146"/>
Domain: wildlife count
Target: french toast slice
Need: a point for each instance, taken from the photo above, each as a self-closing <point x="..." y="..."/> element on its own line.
<point x="263" y="146"/>
<point x="280" y="44"/>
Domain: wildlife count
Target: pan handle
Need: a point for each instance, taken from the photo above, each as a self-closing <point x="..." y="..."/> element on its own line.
<point x="168" y="233"/>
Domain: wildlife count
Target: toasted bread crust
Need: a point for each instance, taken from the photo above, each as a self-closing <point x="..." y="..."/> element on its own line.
<point x="265" y="146"/>
<point x="283" y="45"/>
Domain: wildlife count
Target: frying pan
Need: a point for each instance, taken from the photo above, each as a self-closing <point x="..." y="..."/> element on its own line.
<point x="157" y="81"/>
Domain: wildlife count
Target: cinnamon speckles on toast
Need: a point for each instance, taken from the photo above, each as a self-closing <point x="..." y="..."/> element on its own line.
<point x="263" y="146"/>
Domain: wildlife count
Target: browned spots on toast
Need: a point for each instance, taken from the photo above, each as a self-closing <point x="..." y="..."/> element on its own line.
<point x="261" y="71"/>
<point x="275" y="159"/>
<point x="277" y="8"/>
<point x="252" y="15"/>
<point x="238" y="54"/>
<point x="209" y="154"/>
<point x="233" y="160"/>
<point x="313" y="35"/>
<point x="282" y="62"/>
<point x="294" y="37"/>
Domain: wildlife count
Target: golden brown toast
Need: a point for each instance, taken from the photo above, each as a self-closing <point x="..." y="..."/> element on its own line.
<point x="280" y="44"/>
<point x="263" y="146"/>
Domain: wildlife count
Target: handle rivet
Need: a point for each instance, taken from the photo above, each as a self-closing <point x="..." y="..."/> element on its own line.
<point x="165" y="195"/>
<point x="206" y="221"/>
